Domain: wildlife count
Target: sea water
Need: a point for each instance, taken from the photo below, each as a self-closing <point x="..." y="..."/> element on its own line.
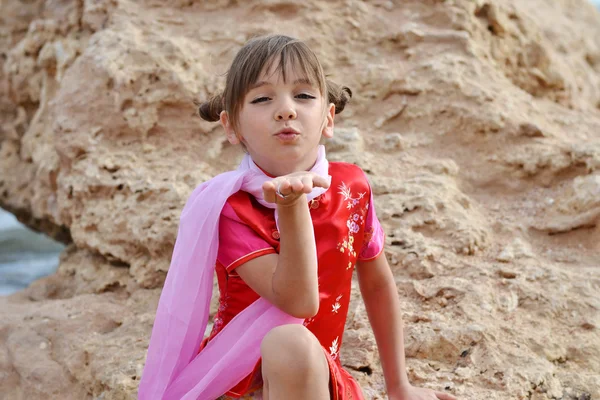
<point x="24" y="255"/>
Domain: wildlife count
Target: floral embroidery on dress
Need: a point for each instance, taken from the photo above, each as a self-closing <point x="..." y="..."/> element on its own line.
<point x="355" y="220"/>
<point x="336" y="306"/>
<point x="368" y="233"/>
<point x="333" y="349"/>
<point x="218" y="321"/>
<point x="347" y="193"/>
<point x="314" y="203"/>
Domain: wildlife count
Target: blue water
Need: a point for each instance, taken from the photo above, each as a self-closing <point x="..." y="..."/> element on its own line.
<point x="24" y="255"/>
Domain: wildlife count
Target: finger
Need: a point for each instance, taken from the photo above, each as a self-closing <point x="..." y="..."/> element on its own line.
<point x="319" y="181"/>
<point x="296" y="185"/>
<point x="444" y="396"/>
<point x="307" y="183"/>
<point x="268" y="185"/>
<point x="269" y="192"/>
<point x="285" y="187"/>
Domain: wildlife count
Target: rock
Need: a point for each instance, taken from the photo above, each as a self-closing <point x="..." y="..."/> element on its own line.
<point x="578" y="207"/>
<point x="508" y="301"/>
<point x="345" y="139"/>
<point x="473" y="120"/>
<point x="359" y="350"/>
<point x="530" y="130"/>
<point x="507" y="274"/>
<point x="494" y="19"/>
<point x="515" y="250"/>
<point x="390" y="115"/>
<point x="394" y="142"/>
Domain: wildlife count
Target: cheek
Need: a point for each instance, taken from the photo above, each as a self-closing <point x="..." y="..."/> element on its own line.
<point x="257" y="116"/>
<point x="319" y="115"/>
<point x="250" y="123"/>
<point x="312" y="110"/>
<point x="244" y="120"/>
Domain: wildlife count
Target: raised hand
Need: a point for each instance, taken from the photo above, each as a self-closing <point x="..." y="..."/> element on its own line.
<point x="286" y="190"/>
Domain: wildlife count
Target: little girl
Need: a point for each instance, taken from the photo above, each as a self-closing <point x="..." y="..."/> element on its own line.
<point x="284" y="232"/>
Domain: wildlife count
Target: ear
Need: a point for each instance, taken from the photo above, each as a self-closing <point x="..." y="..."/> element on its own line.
<point x="229" y="132"/>
<point x="328" y="125"/>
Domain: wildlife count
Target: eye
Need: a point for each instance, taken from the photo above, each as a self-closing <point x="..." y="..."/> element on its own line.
<point x="305" y="96"/>
<point x="259" y="100"/>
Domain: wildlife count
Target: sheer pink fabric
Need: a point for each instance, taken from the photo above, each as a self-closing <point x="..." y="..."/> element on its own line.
<point x="173" y="368"/>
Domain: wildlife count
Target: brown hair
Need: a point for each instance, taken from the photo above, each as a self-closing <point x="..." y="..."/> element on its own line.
<point x="259" y="54"/>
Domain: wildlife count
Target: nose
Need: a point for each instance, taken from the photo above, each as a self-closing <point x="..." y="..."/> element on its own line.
<point x="285" y="112"/>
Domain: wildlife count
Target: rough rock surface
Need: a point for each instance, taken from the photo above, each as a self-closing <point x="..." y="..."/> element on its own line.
<point x="477" y="121"/>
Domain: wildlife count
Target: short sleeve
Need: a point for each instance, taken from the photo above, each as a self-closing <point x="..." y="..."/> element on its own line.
<point x="374" y="237"/>
<point x="238" y="243"/>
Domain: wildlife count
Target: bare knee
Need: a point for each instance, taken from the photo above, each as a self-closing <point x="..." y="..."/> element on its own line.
<point x="292" y="349"/>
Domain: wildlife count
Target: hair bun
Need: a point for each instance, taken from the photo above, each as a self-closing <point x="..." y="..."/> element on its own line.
<point x="338" y="95"/>
<point x="211" y="110"/>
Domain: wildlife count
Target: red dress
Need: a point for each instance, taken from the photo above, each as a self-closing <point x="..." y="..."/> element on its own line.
<point x="346" y="230"/>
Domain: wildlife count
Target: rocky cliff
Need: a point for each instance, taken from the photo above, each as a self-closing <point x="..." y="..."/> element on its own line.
<point x="477" y="121"/>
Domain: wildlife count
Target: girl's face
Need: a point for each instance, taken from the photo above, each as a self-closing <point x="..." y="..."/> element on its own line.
<point x="281" y="123"/>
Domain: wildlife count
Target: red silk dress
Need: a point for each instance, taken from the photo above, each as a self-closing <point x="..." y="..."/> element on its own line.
<point x="346" y="230"/>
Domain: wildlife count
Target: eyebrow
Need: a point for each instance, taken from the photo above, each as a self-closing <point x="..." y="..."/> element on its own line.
<point x="265" y="83"/>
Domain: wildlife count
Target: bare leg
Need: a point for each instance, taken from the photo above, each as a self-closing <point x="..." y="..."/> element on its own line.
<point x="294" y="366"/>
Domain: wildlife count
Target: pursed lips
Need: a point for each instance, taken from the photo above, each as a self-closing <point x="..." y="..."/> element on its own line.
<point x="287" y="135"/>
<point x="287" y="131"/>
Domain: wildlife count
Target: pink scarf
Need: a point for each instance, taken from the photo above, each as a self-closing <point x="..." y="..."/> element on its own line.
<point x="173" y="368"/>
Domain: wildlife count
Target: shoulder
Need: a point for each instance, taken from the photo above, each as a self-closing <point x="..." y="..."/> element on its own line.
<point x="344" y="167"/>
<point x="243" y="207"/>
<point x="349" y="174"/>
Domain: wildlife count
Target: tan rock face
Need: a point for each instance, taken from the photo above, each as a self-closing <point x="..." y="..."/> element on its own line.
<point x="478" y="123"/>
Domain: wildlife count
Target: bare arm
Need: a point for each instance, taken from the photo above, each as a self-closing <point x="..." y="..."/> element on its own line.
<point x="378" y="289"/>
<point x="289" y="280"/>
